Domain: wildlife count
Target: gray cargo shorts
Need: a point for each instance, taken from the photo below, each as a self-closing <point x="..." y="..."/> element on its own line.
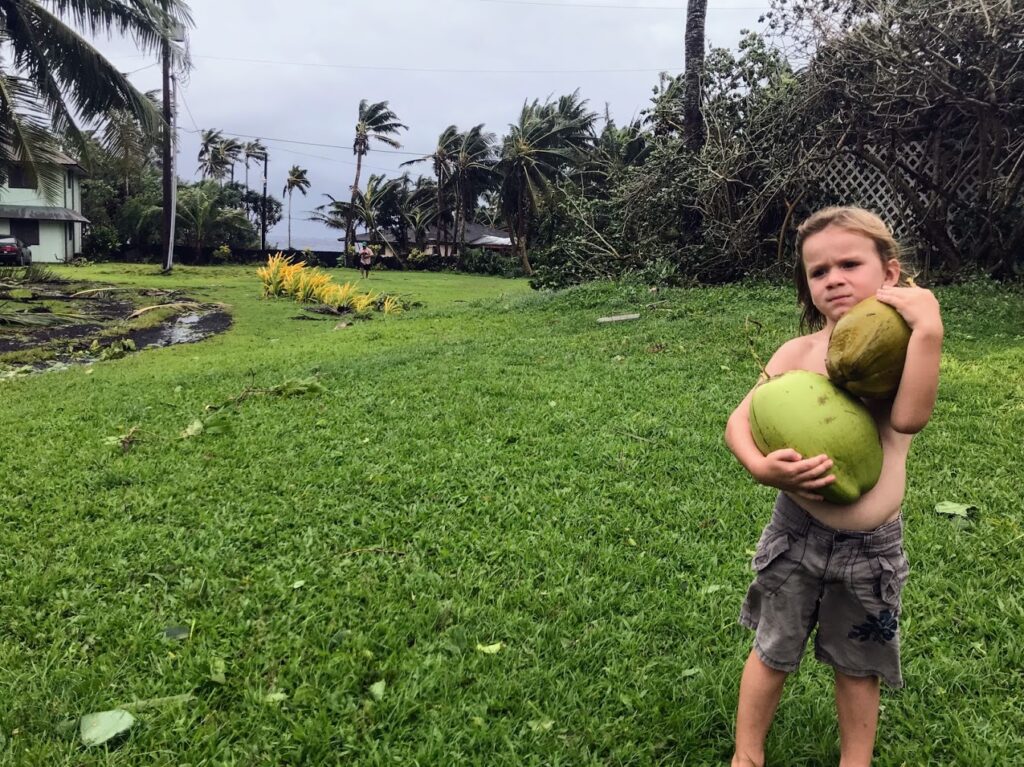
<point x="845" y="583"/>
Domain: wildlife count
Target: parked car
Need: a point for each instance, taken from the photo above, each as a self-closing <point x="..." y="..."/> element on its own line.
<point x="14" y="251"/>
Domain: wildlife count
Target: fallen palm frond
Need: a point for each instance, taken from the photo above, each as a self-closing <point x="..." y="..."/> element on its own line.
<point x="24" y="274"/>
<point x="37" y="319"/>
<point x="92" y="291"/>
<point x="174" y="305"/>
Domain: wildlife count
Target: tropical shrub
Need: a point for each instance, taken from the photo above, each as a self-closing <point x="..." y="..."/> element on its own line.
<point x="336" y="297"/>
<point x="363" y="303"/>
<point x="277" y="274"/>
<point x="392" y="305"/>
<point x="307" y="284"/>
<point x="281" y="277"/>
<point x="101" y="242"/>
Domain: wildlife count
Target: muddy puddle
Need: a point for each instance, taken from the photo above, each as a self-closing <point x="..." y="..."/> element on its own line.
<point x="49" y="326"/>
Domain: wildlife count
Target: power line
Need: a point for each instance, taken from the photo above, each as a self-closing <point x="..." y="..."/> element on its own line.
<point x="271" y="141"/>
<point x="627" y="7"/>
<point x="148" y="66"/>
<point x="364" y="67"/>
<point x="187" y="109"/>
<point x="313" y="143"/>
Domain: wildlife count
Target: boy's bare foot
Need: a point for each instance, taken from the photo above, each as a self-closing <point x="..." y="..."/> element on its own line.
<point x="745" y="761"/>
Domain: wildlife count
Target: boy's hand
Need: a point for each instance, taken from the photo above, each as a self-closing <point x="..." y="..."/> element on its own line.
<point x="787" y="470"/>
<point x="918" y="306"/>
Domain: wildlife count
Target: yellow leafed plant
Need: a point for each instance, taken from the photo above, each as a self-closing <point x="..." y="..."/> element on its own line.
<point x="281" y="277"/>
<point x="293" y="275"/>
<point x="335" y="296"/>
<point x="392" y="305"/>
<point x="276" y="274"/>
<point x="363" y="303"/>
<point x="307" y="284"/>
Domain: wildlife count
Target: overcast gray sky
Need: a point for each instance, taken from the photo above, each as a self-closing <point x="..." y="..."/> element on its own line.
<point x="295" y="72"/>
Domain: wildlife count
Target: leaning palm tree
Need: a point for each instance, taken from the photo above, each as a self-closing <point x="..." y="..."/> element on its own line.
<point x="209" y="141"/>
<point x="214" y="164"/>
<point x="51" y="77"/>
<point x="232" y="150"/>
<point x="441" y="160"/>
<point x="472" y="173"/>
<point x="365" y="207"/>
<point x="544" y="140"/>
<point x="296" y="180"/>
<point x="253" y="150"/>
<point x="378" y="122"/>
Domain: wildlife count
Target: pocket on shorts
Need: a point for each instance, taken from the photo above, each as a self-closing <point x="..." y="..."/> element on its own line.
<point x="776" y="558"/>
<point x="894" y="573"/>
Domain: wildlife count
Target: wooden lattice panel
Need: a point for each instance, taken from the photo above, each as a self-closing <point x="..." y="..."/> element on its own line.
<point x="854" y="182"/>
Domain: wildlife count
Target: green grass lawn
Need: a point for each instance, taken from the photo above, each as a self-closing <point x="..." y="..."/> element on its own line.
<point x="502" y="535"/>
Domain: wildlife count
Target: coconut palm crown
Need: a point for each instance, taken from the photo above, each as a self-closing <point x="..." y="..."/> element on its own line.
<point x="296" y="180"/>
<point x="51" y="77"/>
<point x="377" y="122"/>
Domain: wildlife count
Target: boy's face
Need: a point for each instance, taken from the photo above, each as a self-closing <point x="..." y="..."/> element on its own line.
<point x="842" y="269"/>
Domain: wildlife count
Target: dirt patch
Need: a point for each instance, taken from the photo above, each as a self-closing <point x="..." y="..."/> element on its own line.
<point x="48" y="324"/>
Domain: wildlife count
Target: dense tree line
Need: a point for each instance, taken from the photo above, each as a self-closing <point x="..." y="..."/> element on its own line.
<point x="707" y="185"/>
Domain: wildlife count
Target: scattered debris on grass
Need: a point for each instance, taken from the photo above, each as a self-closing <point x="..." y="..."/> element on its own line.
<point x="179" y="632"/>
<point x="125" y="441"/>
<point x="618" y="318"/>
<point x="46" y="325"/>
<point x="100" y="727"/>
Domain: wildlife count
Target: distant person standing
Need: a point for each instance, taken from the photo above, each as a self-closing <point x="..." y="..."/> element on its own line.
<point x="365" y="261"/>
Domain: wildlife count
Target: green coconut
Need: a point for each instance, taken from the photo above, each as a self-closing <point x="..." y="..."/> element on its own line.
<point x="808" y="413"/>
<point x="867" y="350"/>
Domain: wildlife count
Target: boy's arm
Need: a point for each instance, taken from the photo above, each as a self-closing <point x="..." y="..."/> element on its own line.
<point x="919" y="385"/>
<point x="784" y="469"/>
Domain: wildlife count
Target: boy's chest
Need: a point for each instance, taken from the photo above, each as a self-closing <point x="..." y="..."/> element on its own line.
<point x="812" y="357"/>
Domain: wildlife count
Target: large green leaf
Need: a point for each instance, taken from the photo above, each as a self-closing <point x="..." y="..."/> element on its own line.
<point x="96" y="729"/>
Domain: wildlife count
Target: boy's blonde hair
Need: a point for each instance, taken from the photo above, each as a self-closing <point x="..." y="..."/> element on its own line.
<point x="851" y="219"/>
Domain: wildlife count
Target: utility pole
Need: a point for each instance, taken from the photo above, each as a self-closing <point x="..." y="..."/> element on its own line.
<point x="176" y="33"/>
<point x="263" y="208"/>
<point x="167" y="223"/>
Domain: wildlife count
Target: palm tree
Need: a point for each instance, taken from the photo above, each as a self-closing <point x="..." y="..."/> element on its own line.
<point x="209" y="140"/>
<point x="218" y="155"/>
<point x="472" y="171"/>
<point x="619" y="148"/>
<point x="214" y="164"/>
<point x="441" y="160"/>
<point x="128" y="147"/>
<point x="201" y="210"/>
<point x="296" y="180"/>
<point x="232" y="149"/>
<point x="694" y="129"/>
<point x="365" y="207"/>
<point x="253" y="150"/>
<point x="546" y="139"/>
<point x="54" y="77"/>
<point x="376" y="121"/>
